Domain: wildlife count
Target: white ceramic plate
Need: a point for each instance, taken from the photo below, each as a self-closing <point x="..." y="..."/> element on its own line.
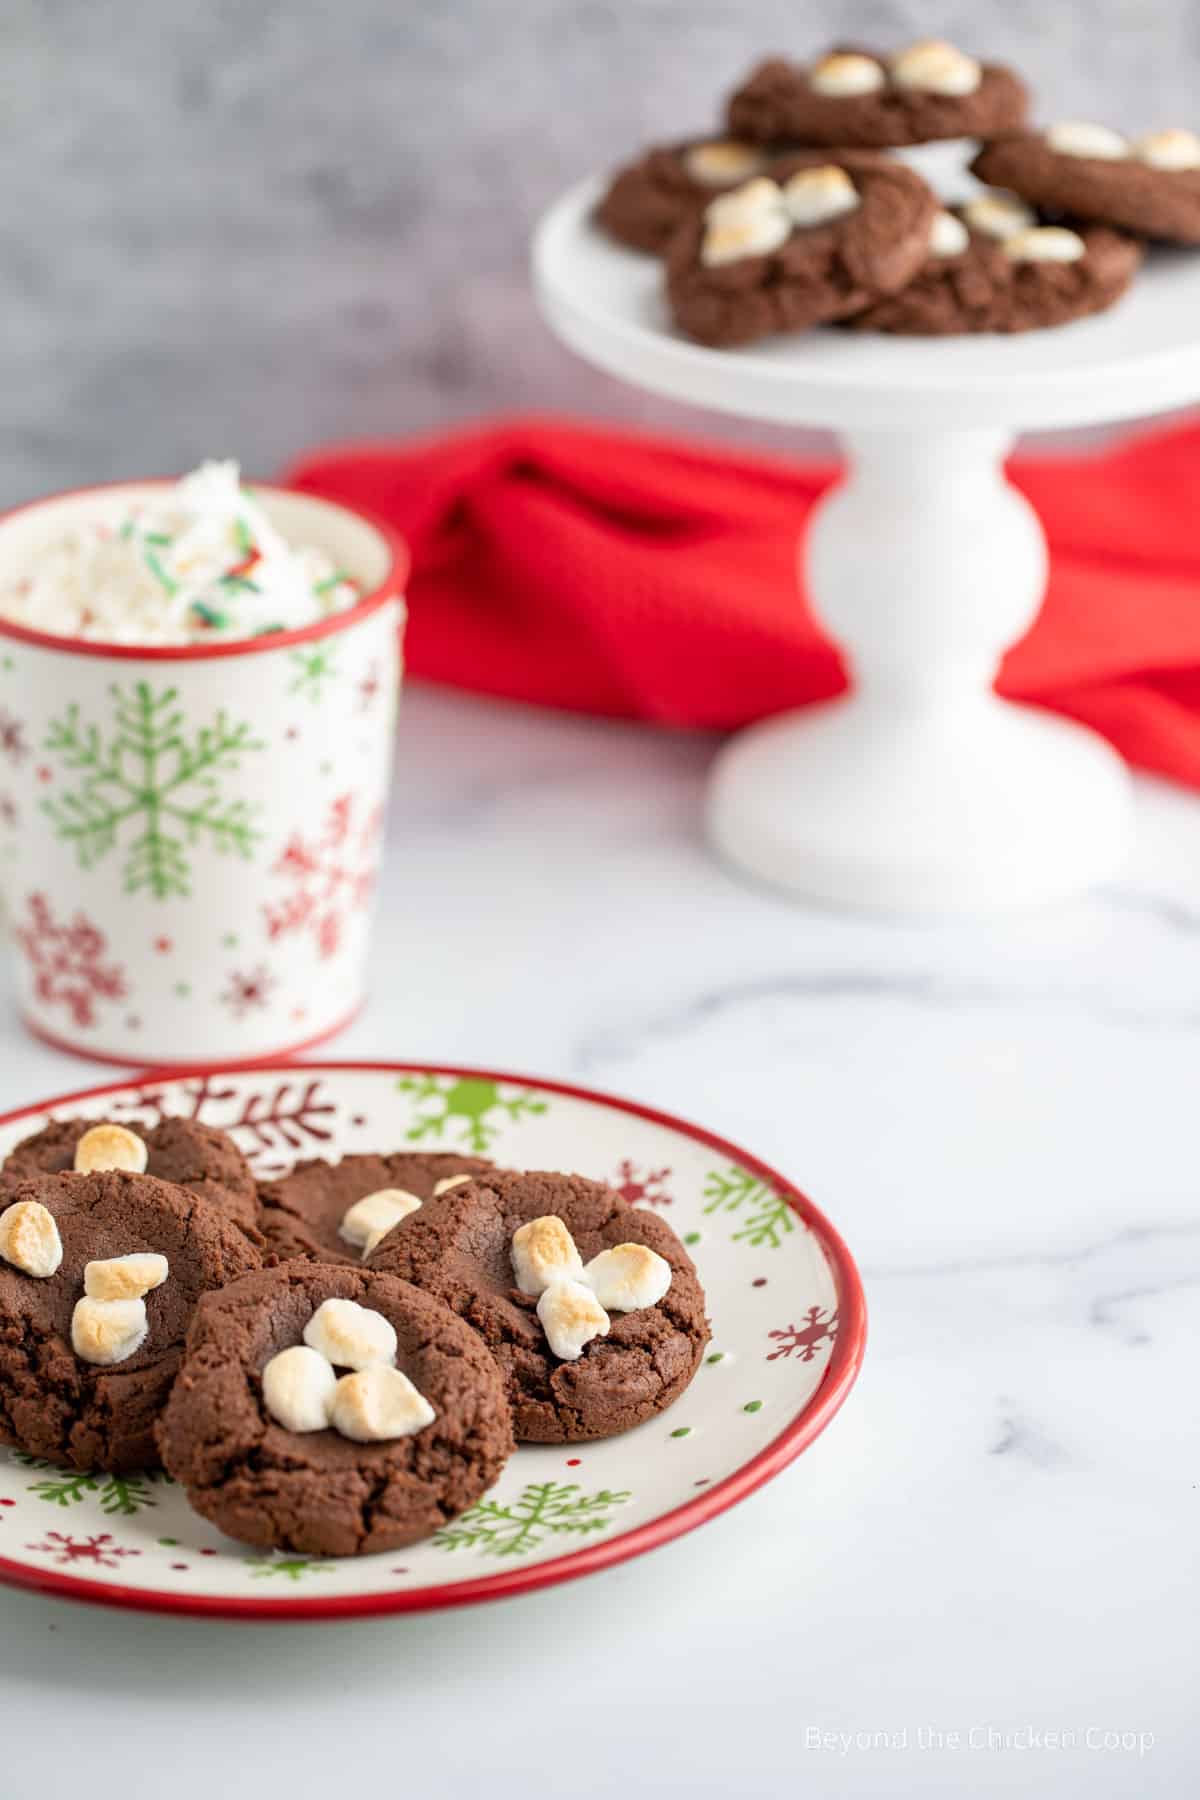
<point x="784" y="1297"/>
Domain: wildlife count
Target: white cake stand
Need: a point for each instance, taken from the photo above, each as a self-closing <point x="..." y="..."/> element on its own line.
<point x="921" y="789"/>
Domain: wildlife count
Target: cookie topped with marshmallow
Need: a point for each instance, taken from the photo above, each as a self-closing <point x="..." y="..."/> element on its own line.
<point x="823" y="236"/>
<point x="1148" y="184"/>
<point x="648" y="199"/>
<point x="100" y="1273"/>
<point x="591" y="1307"/>
<point x="861" y="98"/>
<point x="994" y="264"/>
<point x="337" y="1212"/>
<point x="191" y="1155"/>
<point x="333" y="1411"/>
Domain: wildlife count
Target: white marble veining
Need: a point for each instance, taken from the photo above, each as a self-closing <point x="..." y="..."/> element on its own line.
<point x="998" y="1531"/>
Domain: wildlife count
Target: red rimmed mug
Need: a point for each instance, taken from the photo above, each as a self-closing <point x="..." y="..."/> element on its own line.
<point x="190" y="836"/>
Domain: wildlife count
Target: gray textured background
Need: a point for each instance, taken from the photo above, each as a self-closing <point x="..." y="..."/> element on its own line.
<point x="236" y="226"/>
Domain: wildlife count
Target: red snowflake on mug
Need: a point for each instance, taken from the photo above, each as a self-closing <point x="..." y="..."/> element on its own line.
<point x="99" y="1550"/>
<point x="332" y="876"/>
<point x="642" y="1189"/>
<point x="807" y="1337"/>
<point x="369" y="688"/>
<point x="245" y="993"/>
<point x="68" y="962"/>
<point x="12" y="739"/>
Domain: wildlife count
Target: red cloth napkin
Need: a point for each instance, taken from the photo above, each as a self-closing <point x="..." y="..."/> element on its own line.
<point x="650" y="579"/>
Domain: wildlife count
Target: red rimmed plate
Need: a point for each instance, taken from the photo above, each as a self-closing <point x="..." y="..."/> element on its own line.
<point x="785" y="1299"/>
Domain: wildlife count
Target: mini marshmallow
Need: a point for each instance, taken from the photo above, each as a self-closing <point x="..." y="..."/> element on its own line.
<point x="125" y="1277"/>
<point x="29" y="1239"/>
<point x="722" y="163"/>
<point x="349" y="1335"/>
<point x="844" y="74"/>
<point x="1172" y="149"/>
<point x="948" y="236"/>
<point x="627" y="1277"/>
<point x="750" y="201"/>
<point x="110" y="1147"/>
<point x="999" y="215"/>
<point x="735" y="239"/>
<point x="449" y="1181"/>
<point x="571" y="1317"/>
<point x="372" y="1217"/>
<point x="108" y="1331"/>
<point x="298" y="1387"/>
<point x="379" y="1403"/>
<point x="934" y="67"/>
<point x="1045" y="243"/>
<point x="544" y="1251"/>
<point x="1079" y="137"/>
<point x="815" y="196"/>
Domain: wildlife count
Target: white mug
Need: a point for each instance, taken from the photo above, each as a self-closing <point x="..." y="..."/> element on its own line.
<point x="190" y="836"/>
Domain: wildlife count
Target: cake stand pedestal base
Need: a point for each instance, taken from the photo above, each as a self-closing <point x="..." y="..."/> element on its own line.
<point x="921" y="789"/>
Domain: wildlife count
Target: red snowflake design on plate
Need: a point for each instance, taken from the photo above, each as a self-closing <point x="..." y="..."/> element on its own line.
<point x="12" y="739"/>
<point x="268" y="1123"/>
<point x="68" y="962"/>
<point x="806" y="1338"/>
<point x="101" y="1551"/>
<point x="332" y="876"/>
<point x="245" y="993"/>
<point x="642" y="1188"/>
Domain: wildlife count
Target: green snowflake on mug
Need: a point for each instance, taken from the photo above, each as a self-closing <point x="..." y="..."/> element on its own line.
<point x="151" y="787"/>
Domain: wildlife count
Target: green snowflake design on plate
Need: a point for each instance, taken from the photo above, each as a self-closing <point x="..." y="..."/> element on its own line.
<point x="545" y="1508"/>
<point x="315" y="670"/>
<point x="153" y="773"/>
<point x="288" y="1568"/>
<point x="119" y="1495"/>
<point x="764" y="1216"/>
<point x="465" y="1110"/>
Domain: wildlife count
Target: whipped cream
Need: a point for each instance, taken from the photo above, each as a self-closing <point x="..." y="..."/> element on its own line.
<point x="197" y="563"/>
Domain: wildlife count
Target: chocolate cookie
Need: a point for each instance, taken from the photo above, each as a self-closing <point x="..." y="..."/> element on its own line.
<point x="647" y="200"/>
<point x="852" y="96"/>
<point x="316" y="1491"/>
<point x="53" y="1403"/>
<point x="302" y="1212"/>
<point x="992" y="267"/>
<point x="1150" y="185"/>
<point x="829" y="234"/>
<point x="459" y="1247"/>
<point x="194" y="1156"/>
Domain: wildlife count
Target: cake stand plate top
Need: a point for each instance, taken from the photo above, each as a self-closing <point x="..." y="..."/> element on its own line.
<point x="1142" y="357"/>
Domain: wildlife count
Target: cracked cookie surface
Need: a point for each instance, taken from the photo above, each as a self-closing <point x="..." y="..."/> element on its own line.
<point x="820" y="272"/>
<point x="194" y="1156"/>
<point x="459" y="1247"/>
<point x="303" y="1210"/>
<point x="52" y="1404"/>
<point x="317" y="1492"/>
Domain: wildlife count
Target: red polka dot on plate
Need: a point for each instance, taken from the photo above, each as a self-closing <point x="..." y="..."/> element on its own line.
<point x="573" y="1462"/>
<point x="761" y="1282"/>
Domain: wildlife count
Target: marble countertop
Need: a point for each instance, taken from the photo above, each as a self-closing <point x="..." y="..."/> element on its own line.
<point x="996" y="1537"/>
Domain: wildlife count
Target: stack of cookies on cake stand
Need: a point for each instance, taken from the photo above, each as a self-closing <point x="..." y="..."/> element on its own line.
<point x="804" y="212"/>
<point x="903" y="202"/>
